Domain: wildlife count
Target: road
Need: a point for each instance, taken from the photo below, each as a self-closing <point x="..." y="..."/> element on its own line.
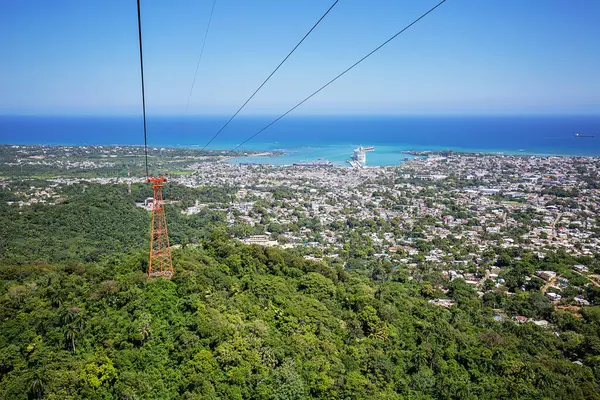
<point x="548" y="284"/>
<point x="553" y="226"/>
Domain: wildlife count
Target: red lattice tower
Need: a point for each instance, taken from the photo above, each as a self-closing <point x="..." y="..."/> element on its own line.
<point x="160" y="252"/>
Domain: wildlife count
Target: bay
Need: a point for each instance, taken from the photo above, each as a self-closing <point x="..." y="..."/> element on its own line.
<point x="309" y="138"/>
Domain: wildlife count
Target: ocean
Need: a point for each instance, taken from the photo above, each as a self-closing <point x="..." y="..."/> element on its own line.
<point x="319" y="137"/>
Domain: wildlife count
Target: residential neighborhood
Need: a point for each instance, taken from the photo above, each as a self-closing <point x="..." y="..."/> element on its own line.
<point x="439" y="214"/>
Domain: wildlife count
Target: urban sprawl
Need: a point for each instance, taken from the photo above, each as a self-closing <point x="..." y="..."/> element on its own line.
<point x="444" y="215"/>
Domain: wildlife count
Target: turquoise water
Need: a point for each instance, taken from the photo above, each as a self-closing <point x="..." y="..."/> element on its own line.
<point x="382" y="155"/>
<point x="337" y="154"/>
<point x="330" y="138"/>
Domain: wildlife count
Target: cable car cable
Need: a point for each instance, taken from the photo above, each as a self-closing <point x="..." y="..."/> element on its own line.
<point x="201" y="53"/>
<point x="143" y="90"/>
<point x="339" y="76"/>
<point x="270" y="75"/>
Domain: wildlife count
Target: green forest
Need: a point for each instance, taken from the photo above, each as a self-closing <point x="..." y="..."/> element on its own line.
<point x="80" y="320"/>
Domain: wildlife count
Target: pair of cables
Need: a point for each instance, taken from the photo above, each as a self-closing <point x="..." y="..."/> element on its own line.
<point x="269" y="76"/>
<point x="322" y="87"/>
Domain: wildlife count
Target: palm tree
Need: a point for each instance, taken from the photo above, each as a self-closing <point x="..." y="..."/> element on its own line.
<point x="36" y="387"/>
<point x="71" y="336"/>
<point x="145" y="330"/>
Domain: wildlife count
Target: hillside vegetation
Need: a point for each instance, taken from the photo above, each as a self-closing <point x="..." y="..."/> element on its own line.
<point x="246" y="322"/>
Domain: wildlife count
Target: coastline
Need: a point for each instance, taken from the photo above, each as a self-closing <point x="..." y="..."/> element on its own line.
<point x="384" y="155"/>
<point x="388" y="155"/>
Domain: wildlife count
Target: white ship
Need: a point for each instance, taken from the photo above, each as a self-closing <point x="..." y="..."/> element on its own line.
<point x="359" y="158"/>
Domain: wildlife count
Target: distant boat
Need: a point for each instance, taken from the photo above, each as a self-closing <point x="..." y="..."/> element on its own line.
<point x="580" y="135"/>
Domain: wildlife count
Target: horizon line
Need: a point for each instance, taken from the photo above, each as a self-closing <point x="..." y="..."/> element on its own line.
<point x="332" y="115"/>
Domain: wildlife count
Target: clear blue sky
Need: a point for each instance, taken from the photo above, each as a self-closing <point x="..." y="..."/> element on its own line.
<point x="468" y="57"/>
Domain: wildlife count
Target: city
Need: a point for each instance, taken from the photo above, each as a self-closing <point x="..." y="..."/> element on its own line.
<point x="438" y="217"/>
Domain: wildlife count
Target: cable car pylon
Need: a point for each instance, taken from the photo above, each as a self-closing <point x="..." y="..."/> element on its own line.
<point x="161" y="264"/>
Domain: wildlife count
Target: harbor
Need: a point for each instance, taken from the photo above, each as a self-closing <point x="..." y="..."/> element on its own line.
<point x="359" y="156"/>
<point x="318" y="163"/>
<point x="330" y="155"/>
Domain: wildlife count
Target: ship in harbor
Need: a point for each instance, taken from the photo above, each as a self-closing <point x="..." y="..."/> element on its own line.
<point x="359" y="157"/>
